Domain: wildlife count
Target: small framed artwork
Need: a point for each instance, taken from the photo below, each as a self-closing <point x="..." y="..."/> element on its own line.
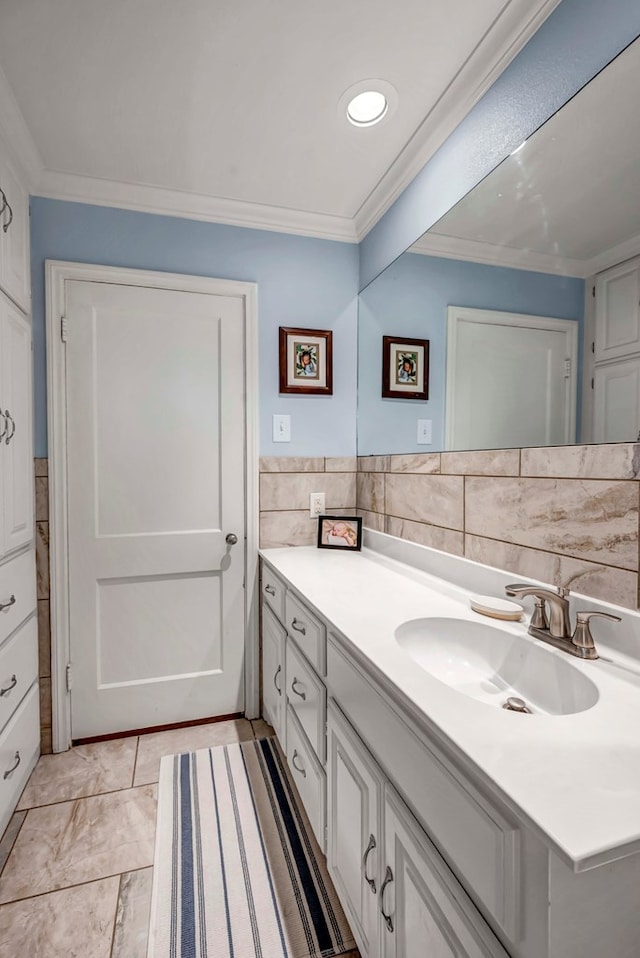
<point x="405" y="368"/>
<point x="306" y="361"/>
<point x="340" y="532"/>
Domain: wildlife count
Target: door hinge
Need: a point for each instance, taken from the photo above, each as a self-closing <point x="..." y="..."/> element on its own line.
<point x="69" y="677"/>
<point x="63" y="328"/>
<point x="567" y="369"/>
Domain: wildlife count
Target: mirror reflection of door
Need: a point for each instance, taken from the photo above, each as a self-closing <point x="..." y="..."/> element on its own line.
<point x="511" y="379"/>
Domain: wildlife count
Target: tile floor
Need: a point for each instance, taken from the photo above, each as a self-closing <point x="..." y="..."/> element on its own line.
<point x="76" y="860"/>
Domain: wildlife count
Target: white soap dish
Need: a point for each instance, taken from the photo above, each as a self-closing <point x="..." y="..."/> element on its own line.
<point x="496" y="608"/>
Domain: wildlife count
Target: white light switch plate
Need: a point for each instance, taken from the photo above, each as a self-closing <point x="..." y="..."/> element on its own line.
<point x="282" y="428"/>
<point x="425" y="437"/>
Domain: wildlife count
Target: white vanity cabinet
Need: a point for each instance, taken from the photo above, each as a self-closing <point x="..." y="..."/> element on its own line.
<point x="273" y="693"/>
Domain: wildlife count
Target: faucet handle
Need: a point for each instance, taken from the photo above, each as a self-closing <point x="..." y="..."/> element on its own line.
<point x="582" y="637"/>
<point x="539" y="619"/>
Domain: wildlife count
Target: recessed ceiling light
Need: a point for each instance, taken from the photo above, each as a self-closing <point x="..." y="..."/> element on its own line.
<point x="367" y="102"/>
<point x="367" y="108"/>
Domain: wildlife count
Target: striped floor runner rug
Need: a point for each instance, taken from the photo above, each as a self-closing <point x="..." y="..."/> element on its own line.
<point x="237" y="871"/>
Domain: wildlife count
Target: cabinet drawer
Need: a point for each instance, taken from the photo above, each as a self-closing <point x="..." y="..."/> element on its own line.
<point x="18" y="667"/>
<point x="307" y="630"/>
<point x="17" y="592"/>
<point x="481" y="844"/>
<point x="308" y="699"/>
<point x="308" y="776"/>
<point x="273" y="591"/>
<point x="19" y="748"/>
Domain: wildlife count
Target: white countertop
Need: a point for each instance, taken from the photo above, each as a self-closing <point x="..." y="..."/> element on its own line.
<point x="574" y="778"/>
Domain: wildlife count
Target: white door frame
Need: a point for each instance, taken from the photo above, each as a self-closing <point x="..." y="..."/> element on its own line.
<point x="457" y="315"/>
<point x="57" y="274"/>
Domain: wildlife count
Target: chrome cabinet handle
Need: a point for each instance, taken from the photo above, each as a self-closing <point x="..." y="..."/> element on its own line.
<point x="388" y="878"/>
<point x="16" y="762"/>
<point x="7" y="605"/>
<point x="269" y="590"/>
<point x="278" y="670"/>
<point x="298" y="628"/>
<point x="231" y="538"/>
<point x="9" y="418"/>
<point x="12" y="685"/>
<point x="370" y="881"/>
<point x="5" y="202"/>
<point x="302" y="771"/>
<point x="4" y="420"/>
<point x="5" y="226"/>
<point x="303" y="695"/>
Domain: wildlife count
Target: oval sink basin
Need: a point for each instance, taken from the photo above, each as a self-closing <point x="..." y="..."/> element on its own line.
<point x="491" y="665"/>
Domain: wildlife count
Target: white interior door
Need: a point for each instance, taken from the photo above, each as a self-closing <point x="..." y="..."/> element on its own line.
<point x="511" y="380"/>
<point x="155" y="462"/>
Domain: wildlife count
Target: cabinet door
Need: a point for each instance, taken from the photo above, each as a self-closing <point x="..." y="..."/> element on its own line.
<point x="354" y="806"/>
<point x="273" y="697"/>
<point x="16" y="459"/>
<point x="14" y="237"/>
<point x="618" y="311"/>
<point x="424" y="909"/>
<point x="616" y="401"/>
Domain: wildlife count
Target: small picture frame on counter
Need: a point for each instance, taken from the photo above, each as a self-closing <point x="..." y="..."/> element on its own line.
<point x="340" y="532"/>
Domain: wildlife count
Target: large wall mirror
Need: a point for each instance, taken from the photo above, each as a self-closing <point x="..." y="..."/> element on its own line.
<point x="528" y="292"/>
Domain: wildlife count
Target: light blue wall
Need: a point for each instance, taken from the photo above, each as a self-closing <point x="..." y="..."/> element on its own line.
<point x="301" y="282"/>
<point x="410" y="299"/>
<point x="572" y="46"/>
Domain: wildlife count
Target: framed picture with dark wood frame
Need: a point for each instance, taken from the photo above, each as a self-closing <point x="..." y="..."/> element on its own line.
<point x="340" y="532"/>
<point x="405" y="368"/>
<point x="306" y="361"/>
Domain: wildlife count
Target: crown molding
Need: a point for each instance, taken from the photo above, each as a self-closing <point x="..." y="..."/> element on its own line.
<point x="611" y="257"/>
<point x="194" y="206"/>
<point x="449" y="247"/>
<point x="492" y="55"/>
<point x="17" y="138"/>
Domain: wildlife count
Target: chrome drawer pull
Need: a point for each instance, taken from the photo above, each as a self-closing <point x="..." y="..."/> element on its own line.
<point x="297" y="767"/>
<point x="13" y="767"/>
<point x="8" y="603"/>
<point x="370" y="881"/>
<point x="4" y="430"/>
<point x="298" y="628"/>
<point x="9" y="418"/>
<point x="5" y="202"/>
<point x="269" y="590"/>
<point x="5" y="226"/>
<point x="303" y="695"/>
<point x="13" y="684"/>
<point x="278" y="671"/>
<point x="387" y="879"/>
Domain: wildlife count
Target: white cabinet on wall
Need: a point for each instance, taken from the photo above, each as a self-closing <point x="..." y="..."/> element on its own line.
<point x="14" y="234"/>
<point x="618" y="311"/>
<point x="16" y="462"/>
<point x="616" y="354"/>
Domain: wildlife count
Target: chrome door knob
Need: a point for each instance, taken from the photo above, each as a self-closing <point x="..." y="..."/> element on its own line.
<point x="231" y="538"/>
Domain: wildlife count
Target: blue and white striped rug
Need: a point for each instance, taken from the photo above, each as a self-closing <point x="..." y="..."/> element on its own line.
<point x="238" y="872"/>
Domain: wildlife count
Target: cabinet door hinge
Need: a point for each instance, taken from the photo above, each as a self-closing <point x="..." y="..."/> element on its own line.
<point x="592" y="384"/>
<point x="593" y="291"/>
<point x="69" y="677"/>
<point x="567" y="369"/>
<point x="593" y="347"/>
<point x="63" y="328"/>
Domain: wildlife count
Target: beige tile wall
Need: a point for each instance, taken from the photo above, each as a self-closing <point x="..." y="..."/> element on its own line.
<point x="286" y="483"/>
<point x="44" y="626"/>
<point x="566" y="515"/>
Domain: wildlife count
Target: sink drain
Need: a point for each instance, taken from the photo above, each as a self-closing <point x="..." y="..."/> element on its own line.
<point x="514" y="704"/>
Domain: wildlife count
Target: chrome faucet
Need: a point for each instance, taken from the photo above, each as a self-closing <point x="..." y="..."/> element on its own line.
<point x="556" y="627"/>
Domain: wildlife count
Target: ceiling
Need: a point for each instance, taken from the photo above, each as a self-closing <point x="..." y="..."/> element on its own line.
<point x="228" y="110"/>
<point x="570" y="198"/>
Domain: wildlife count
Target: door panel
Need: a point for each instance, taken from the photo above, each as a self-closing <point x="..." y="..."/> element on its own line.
<point x="155" y="399"/>
<point x="16" y="463"/>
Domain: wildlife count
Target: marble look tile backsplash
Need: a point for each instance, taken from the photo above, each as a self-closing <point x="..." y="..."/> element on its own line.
<point x="566" y="514"/>
<point x="285" y="486"/>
